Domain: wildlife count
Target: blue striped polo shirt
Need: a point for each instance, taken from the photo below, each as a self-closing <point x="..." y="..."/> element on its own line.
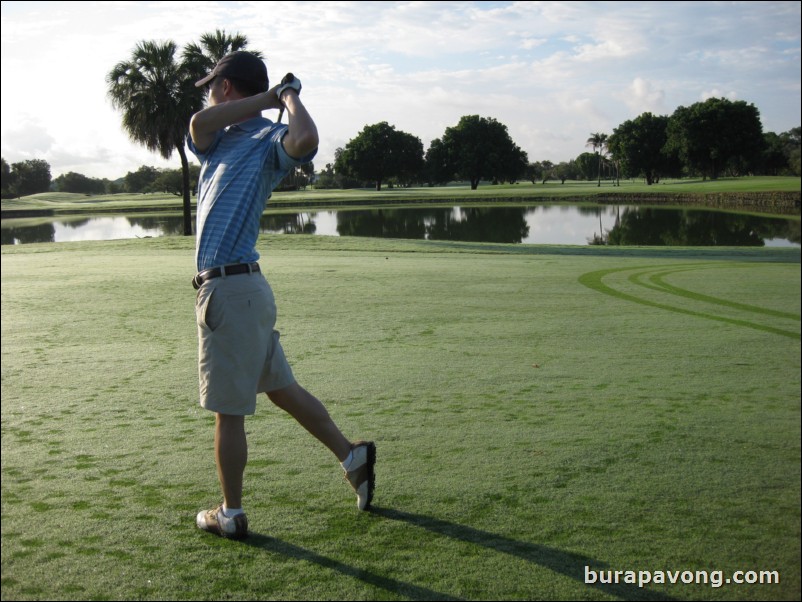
<point x="239" y="171"/>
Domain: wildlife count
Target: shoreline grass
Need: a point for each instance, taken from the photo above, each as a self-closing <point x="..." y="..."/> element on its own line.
<point x="536" y="409"/>
<point x="727" y="191"/>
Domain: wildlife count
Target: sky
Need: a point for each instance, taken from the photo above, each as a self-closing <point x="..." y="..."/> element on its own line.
<point x="552" y="72"/>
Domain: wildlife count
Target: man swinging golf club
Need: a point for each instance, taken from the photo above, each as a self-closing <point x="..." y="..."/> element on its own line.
<point x="244" y="157"/>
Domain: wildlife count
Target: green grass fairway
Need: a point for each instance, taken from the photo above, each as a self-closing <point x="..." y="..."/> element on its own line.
<point x="522" y="192"/>
<point x="539" y="412"/>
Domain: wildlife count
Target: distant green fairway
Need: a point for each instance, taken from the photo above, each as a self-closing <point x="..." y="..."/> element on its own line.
<point x="539" y="412"/>
<point x="522" y="192"/>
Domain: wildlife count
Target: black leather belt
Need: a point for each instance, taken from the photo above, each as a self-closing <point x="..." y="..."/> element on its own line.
<point x="227" y="270"/>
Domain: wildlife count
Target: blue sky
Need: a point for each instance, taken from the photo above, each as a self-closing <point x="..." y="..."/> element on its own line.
<point x="553" y="72"/>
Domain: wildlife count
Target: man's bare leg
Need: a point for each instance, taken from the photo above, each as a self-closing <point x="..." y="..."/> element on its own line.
<point x="313" y="416"/>
<point x="231" y="454"/>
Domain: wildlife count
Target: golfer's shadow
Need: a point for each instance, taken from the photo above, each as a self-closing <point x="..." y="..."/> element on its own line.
<point x="415" y="592"/>
<point x="559" y="561"/>
<point x="564" y="563"/>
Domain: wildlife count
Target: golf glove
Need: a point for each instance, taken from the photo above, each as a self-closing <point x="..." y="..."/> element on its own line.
<point x="289" y="82"/>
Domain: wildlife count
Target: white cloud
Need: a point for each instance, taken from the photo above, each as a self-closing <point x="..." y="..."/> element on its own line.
<point x="530" y="43"/>
<point x="26" y="140"/>
<point x="642" y="96"/>
<point x="716" y="93"/>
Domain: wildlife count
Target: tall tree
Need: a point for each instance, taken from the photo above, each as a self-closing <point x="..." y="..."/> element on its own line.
<point x="586" y="164"/>
<point x="380" y="152"/>
<point x="598" y="141"/>
<point x="639" y="143"/>
<point x="155" y="94"/>
<point x="29" y="177"/>
<point x="715" y="135"/>
<point x="477" y="148"/>
<point x="438" y="165"/>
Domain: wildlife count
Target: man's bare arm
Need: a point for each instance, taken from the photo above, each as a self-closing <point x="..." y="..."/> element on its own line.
<point x="205" y="123"/>
<point x="302" y="137"/>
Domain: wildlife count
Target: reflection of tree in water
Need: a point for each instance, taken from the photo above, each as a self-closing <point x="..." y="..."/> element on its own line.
<point x="76" y="223"/>
<point x="599" y="211"/>
<point x="660" y="227"/>
<point x="167" y="224"/>
<point x="793" y="231"/>
<point x="498" y="224"/>
<point x="475" y="225"/>
<point x="633" y="226"/>
<point x="383" y="223"/>
<point x="295" y="223"/>
<point x="28" y="234"/>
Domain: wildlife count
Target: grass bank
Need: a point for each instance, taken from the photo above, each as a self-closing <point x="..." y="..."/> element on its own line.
<point x="761" y="194"/>
<point x="537" y="410"/>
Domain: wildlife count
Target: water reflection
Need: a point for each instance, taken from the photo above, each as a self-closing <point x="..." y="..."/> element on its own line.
<point x="556" y="224"/>
<point x="167" y="226"/>
<point x="86" y="228"/>
<point x="11" y="234"/>
<point x="290" y="223"/>
<point x="497" y="224"/>
<point x="645" y="226"/>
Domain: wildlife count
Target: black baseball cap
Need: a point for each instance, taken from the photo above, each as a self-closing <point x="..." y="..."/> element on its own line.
<point x="239" y="65"/>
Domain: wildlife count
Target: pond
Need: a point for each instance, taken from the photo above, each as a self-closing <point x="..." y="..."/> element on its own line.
<point x="544" y="224"/>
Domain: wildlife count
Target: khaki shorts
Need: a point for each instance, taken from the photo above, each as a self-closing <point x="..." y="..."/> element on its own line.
<point x="239" y="353"/>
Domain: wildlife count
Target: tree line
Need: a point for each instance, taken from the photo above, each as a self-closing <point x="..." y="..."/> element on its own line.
<point x="33" y="176"/>
<point x="707" y="139"/>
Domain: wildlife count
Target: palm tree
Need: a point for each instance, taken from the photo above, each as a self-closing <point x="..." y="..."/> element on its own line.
<point x="597" y="141"/>
<point x="153" y="92"/>
<point x="201" y="58"/>
<point x="157" y="95"/>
